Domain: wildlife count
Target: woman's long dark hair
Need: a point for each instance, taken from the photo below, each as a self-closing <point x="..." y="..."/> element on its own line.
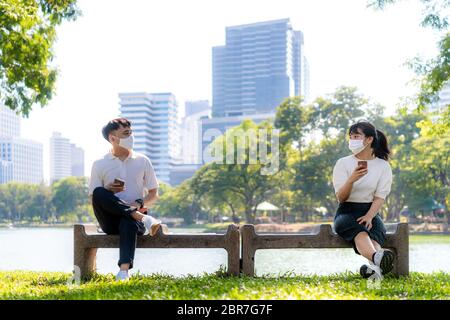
<point x="379" y="143"/>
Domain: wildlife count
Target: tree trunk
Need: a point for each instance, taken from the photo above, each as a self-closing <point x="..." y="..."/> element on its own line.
<point x="249" y="213"/>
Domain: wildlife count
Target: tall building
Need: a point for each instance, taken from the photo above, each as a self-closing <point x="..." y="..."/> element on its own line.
<point x="22" y="160"/>
<point x="444" y="100"/>
<point x="9" y="122"/>
<point x="60" y="157"/>
<point x="6" y="173"/>
<point x="192" y="107"/>
<point x="77" y="161"/>
<point x="66" y="159"/>
<point x="260" y="65"/>
<point x="190" y="138"/>
<point x="156" y="128"/>
<point x="305" y="81"/>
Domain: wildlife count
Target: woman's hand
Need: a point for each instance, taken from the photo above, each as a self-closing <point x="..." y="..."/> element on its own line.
<point x="357" y="173"/>
<point x="366" y="220"/>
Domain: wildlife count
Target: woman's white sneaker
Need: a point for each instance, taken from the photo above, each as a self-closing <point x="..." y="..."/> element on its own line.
<point x="384" y="259"/>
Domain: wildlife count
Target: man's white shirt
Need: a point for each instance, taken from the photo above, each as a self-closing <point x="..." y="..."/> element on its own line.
<point x="136" y="170"/>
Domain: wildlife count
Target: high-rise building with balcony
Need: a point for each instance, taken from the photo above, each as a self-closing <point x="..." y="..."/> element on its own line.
<point x="156" y="128"/>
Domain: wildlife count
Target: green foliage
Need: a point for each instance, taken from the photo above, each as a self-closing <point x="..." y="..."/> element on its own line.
<point x="65" y="201"/>
<point x="432" y="75"/>
<point x="53" y="286"/>
<point x="27" y="35"/>
<point x="238" y="178"/>
<point x="178" y="202"/>
<point x="69" y="193"/>
<point x="308" y="151"/>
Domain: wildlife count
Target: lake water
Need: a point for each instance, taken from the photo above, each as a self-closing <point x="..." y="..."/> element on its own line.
<point x="51" y="249"/>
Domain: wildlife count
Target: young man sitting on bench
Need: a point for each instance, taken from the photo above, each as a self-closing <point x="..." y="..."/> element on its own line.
<point x="122" y="186"/>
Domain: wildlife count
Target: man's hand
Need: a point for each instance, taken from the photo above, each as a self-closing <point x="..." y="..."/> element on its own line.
<point x="366" y="220"/>
<point x="115" y="188"/>
<point x="143" y="210"/>
<point x="137" y="205"/>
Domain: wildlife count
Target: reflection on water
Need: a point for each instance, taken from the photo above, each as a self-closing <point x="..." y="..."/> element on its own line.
<point x="51" y="249"/>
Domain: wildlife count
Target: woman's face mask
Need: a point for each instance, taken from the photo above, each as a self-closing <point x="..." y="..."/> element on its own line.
<point x="356" y="145"/>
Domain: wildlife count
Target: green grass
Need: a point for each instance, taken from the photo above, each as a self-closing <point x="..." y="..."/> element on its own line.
<point x="53" y="285"/>
<point x="432" y="239"/>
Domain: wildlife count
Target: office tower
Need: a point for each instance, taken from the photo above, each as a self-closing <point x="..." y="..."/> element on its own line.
<point x="192" y="107"/>
<point x="6" y="173"/>
<point x="156" y="128"/>
<point x="60" y="157"/>
<point x="22" y="160"/>
<point x="190" y="138"/>
<point x="9" y="122"/>
<point x="66" y="159"/>
<point x="444" y="100"/>
<point x="305" y="80"/>
<point x="259" y="66"/>
<point x="77" y="161"/>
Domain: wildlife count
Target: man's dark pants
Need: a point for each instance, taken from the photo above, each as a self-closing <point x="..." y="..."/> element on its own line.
<point x="114" y="217"/>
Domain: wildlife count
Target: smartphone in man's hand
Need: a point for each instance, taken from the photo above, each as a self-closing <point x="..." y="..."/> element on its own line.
<point x="119" y="182"/>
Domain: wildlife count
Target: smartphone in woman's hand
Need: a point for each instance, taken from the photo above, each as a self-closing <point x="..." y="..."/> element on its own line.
<point x="362" y="164"/>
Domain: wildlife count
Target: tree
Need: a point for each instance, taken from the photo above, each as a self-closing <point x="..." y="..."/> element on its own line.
<point x="295" y="121"/>
<point x="212" y="185"/>
<point x="430" y="167"/>
<point x="314" y="173"/>
<point x="27" y="35"/>
<point x="242" y="175"/>
<point x="401" y="130"/>
<point x="339" y="110"/>
<point x="69" y="194"/>
<point x="179" y="202"/>
<point x="433" y="74"/>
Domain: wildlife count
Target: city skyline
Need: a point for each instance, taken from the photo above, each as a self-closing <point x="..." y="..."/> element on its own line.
<point x="258" y="67"/>
<point x="346" y="44"/>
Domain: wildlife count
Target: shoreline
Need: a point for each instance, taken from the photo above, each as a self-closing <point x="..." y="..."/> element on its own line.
<point x="306" y="227"/>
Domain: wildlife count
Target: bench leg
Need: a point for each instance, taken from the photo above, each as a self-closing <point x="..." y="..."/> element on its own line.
<point x="248" y="263"/>
<point x="401" y="264"/>
<point x="233" y="241"/>
<point x="402" y="261"/>
<point x="84" y="259"/>
<point x="248" y="251"/>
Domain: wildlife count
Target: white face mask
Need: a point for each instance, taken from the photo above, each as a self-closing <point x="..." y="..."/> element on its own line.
<point x="127" y="143"/>
<point x="356" y="145"/>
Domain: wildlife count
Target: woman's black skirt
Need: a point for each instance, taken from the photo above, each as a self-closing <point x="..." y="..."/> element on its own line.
<point x="347" y="227"/>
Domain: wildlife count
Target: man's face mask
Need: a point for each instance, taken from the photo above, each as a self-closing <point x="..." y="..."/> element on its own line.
<point x="127" y="142"/>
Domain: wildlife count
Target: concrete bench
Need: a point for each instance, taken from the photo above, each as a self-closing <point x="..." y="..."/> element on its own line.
<point x="325" y="238"/>
<point x="87" y="240"/>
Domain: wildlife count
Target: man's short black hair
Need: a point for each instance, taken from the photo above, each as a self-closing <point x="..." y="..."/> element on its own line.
<point x="114" y="125"/>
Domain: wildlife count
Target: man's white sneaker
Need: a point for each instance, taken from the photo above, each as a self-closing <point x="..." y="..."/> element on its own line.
<point x="122" y="276"/>
<point x="151" y="225"/>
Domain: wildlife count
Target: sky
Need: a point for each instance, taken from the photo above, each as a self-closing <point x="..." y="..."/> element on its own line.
<point x="166" y="46"/>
